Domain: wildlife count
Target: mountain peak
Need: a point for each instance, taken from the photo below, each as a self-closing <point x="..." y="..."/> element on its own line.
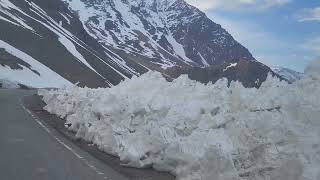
<point x="167" y="32"/>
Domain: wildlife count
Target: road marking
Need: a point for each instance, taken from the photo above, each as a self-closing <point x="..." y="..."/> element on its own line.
<point x="62" y="143"/>
<point x="16" y="140"/>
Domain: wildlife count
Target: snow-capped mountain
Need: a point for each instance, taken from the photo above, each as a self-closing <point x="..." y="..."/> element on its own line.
<point x="99" y="43"/>
<point x="288" y="74"/>
<point x="168" y="32"/>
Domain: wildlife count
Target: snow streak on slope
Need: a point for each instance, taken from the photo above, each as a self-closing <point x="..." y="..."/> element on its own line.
<point x="63" y="35"/>
<point x="67" y="39"/>
<point x="47" y="77"/>
<point x="33" y="15"/>
<point x="65" y="17"/>
<point x="198" y="131"/>
<point x="178" y="48"/>
<point x="7" y="7"/>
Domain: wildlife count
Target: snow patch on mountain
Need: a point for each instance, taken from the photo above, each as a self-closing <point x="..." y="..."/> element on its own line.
<point x="230" y="66"/>
<point x="65" y="17"/>
<point x="198" y="131"/>
<point x="287" y="74"/>
<point x="114" y="24"/>
<point x="27" y="76"/>
<point x="73" y="50"/>
<point x="7" y="8"/>
<point x="178" y="48"/>
<point x="65" y="37"/>
<point x="9" y="21"/>
<point x="162" y="31"/>
<point x="6" y="84"/>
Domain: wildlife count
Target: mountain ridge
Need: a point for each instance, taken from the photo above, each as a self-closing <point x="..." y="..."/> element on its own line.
<point x="163" y="29"/>
<point x="100" y="43"/>
<point x="288" y="74"/>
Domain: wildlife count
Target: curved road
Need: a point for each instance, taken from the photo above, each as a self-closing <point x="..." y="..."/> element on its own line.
<point x="29" y="152"/>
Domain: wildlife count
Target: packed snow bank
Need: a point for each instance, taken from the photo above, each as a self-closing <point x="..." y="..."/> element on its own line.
<point x="198" y="131"/>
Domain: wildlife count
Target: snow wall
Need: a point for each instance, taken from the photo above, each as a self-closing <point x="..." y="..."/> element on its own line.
<point x="201" y="132"/>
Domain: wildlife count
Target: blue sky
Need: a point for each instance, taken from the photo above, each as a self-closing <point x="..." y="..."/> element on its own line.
<point x="277" y="32"/>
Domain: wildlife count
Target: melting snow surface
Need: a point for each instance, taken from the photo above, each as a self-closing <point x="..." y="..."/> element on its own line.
<point x="198" y="131"/>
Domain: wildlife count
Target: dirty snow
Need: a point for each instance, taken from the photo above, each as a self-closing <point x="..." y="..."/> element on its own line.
<point x="198" y="131"/>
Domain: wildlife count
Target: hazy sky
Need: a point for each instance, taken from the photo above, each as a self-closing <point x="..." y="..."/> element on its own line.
<point x="277" y="32"/>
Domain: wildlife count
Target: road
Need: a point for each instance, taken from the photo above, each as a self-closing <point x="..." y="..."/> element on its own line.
<point x="29" y="152"/>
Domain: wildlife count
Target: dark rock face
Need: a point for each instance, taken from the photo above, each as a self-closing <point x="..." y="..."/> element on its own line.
<point x="202" y="38"/>
<point x="249" y="73"/>
<point x="119" y="39"/>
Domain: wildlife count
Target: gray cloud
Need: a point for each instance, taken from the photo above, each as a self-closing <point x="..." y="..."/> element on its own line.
<point x="312" y="14"/>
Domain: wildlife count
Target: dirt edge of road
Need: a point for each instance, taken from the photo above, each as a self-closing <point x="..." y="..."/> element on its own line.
<point x="35" y="105"/>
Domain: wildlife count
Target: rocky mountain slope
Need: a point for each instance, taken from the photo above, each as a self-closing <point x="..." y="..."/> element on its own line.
<point x="99" y="43"/>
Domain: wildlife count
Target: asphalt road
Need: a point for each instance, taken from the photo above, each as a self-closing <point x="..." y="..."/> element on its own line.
<point x="29" y="152"/>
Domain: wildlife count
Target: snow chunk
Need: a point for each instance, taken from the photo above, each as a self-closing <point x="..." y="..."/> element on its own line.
<point x="198" y="131"/>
